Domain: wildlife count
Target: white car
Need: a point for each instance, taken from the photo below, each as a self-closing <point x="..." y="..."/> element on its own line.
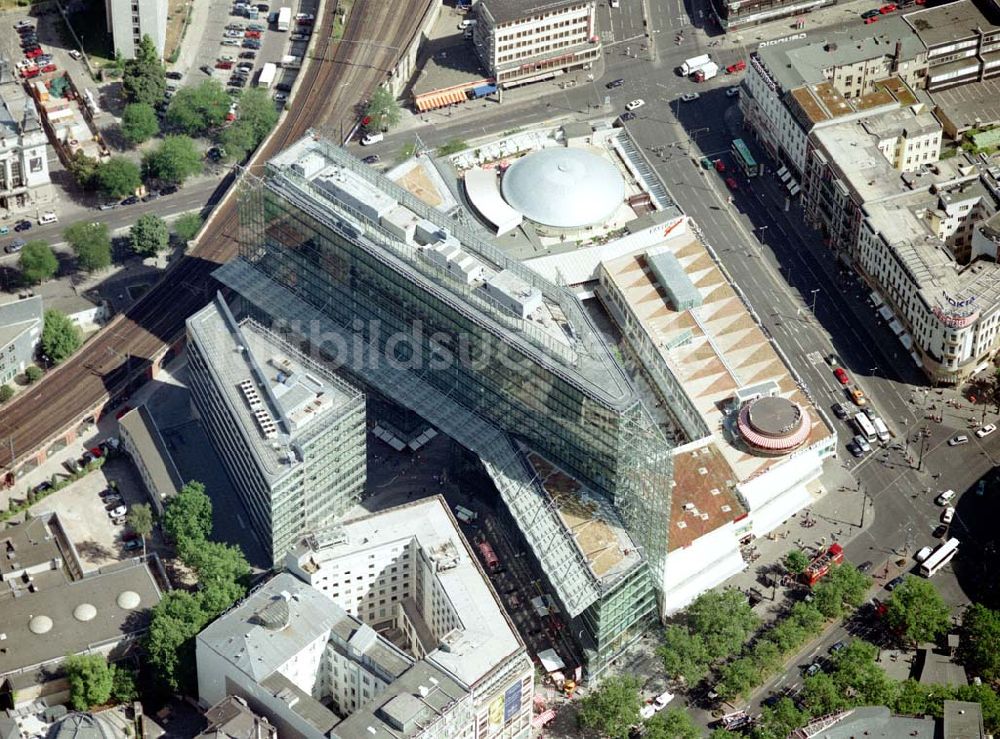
<point x="733" y="92"/>
<point x="305" y="17"/>
<point x="923" y="554"/>
<point x="117" y="512"/>
<point x="656" y="705"/>
<point x="986" y="430"/>
<point x="372" y="138"/>
<point x="637" y="103"/>
<point x="688" y="97"/>
<point x="47" y="217"/>
<point x="948" y="515"/>
<point x="945" y="498"/>
<point x="280" y="97"/>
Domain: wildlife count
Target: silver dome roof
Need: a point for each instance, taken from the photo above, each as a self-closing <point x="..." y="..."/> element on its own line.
<point x="564" y="188"/>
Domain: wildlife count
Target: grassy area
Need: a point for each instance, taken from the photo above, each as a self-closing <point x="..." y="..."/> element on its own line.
<point x="178" y="17"/>
<point x="452" y="147"/>
<point x="7" y="5"/>
<point x="340" y="16"/>
<point x="91" y="26"/>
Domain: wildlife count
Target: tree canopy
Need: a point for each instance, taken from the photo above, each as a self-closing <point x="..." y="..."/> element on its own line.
<point x="140" y="519"/>
<point x="139" y="123"/>
<point x="186" y="227"/>
<point x="90" y="680"/>
<point x="188" y="515"/>
<point x="149" y="235"/>
<point x="383" y="110"/>
<point x="144" y="77"/>
<point x="684" y="654"/>
<point x="612" y="708"/>
<point x="82" y="168"/>
<point x="256" y="119"/>
<point x="200" y="108"/>
<point x="672" y="724"/>
<point x="980" y="644"/>
<point x="917" y="611"/>
<point x="173" y="161"/>
<point x="796" y="561"/>
<point x="723" y="619"/>
<point x="118" y="177"/>
<point x="60" y="336"/>
<point x="169" y="643"/>
<point x="37" y="262"/>
<point x="91" y="243"/>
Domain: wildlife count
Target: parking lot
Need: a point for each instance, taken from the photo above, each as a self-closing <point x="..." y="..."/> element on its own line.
<point x="232" y="37"/>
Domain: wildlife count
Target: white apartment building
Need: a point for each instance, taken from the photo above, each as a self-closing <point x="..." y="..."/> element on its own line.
<point x="444" y="662"/>
<point x="793" y="87"/>
<point x="408" y="573"/>
<point x="24" y="159"/>
<point x="521" y="41"/>
<point x="130" y="20"/>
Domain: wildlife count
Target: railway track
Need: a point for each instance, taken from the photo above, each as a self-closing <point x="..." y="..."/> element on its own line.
<point x="342" y="75"/>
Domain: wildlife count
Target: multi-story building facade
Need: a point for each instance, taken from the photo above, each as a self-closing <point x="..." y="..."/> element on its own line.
<point x="130" y="20"/>
<point x="734" y="14"/>
<point x="141" y="440"/>
<point x="24" y="158"/>
<point x="521" y="41"/>
<point x="791" y="88"/>
<point x="421" y="582"/>
<point x="20" y="333"/>
<point x="290" y="434"/>
<point x="340" y="255"/>
<point x="962" y="43"/>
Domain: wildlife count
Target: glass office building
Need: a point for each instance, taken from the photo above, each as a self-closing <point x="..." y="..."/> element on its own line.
<point x="421" y="308"/>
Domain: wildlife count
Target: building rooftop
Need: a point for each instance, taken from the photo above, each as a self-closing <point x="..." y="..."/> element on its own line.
<point x="713" y="349"/>
<point x="591" y="521"/>
<point x="873" y="722"/>
<point x="805" y="60"/>
<point x="26" y="546"/>
<point x="487" y="637"/>
<point x="939" y="668"/>
<point x="59" y="616"/>
<point x="963" y="720"/>
<point x="19" y="316"/>
<point x="505" y="11"/>
<point x="231" y="718"/>
<point x="339" y="189"/>
<point x="280" y="397"/>
<point x="949" y="22"/>
<point x="971" y="104"/>
<point x="704" y="493"/>
<point x="138" y="423"/>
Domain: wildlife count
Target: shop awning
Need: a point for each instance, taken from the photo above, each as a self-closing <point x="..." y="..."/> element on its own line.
<point x="916" y="359"/>
<point x="896" y="326"/>
<point x="886" y="312"/>
<point x="433" y="100"/>
<point x="794" y="189"/>
<point x="543" y="718"/>
<point x="483" y="90"/>
<point x="550" y="661"/>
<point x="906" y="341"/>
<point x="876" y="298"/>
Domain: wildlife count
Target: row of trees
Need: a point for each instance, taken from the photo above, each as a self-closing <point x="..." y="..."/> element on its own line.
<point x="173" y="161"/>
<point x="613" y="709"/>
<point x="93" y="682"/>
<point x="223" y="575"/>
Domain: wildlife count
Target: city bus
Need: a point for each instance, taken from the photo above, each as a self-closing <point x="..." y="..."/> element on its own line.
<point x="745" y="159"/>
<point x="941" y="556"/>
<point x="865" y="427"/>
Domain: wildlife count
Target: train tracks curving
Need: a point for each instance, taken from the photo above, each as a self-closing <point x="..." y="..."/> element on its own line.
<point x="341" y="75"/>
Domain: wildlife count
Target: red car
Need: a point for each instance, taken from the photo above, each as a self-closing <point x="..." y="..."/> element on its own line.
<point x="732" y="184"/>
<point x="737" y="67"/>
<point x="842" y="376"/>
<point x="889" y="8"/>
<point x="869" y="21"/>
<point x="251" y="34"/>
<point x="49" y="68"/>
<point x="720" y="166"/>
<point x="34" y="53"/>
<point x="223" y="65"/>
<point x="97" y="452"/>
<point x="29" y="72"/>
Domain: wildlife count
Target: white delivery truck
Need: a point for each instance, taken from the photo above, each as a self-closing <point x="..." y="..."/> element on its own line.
<point x="284" y="18"/>
<point x="266" y="76"/>
<point x="705" y="72"/>
<point x="694" y="63"/>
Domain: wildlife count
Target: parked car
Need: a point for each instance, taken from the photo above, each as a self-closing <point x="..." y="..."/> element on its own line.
<point x="251" y="43"/>
<point x="855" y="450"/>
<point x="689" y="97"/>
<point x="986" y="430"/>
<point x="72" y="466"/>
<point x="251" y="34"/>
<point x="75" y="54"/>
<point x="894" y="583"/>
<point x="118" y="511"/>
<point x="255" y="27"/>
<point x="228" y="42"/>
<point x="858" y="396"/>
<point x="872" y="19"/>
<point x="948" y="514"/>
<point x="108" y="206"/>
<point x="238" y="82"/>
<point x="43" y="59"/>
<point x="839" y="411"/>
<point x="837" y="646"/>
<point x="300" y="37"/>
<point x="958" y="440"/>
<point x="615" y="83"/>
<point x="14" y="246"/>
<point x="168" y="190"/>
<point x="22" y="225"/>
<point x="280" y="97"/>
<point x="732" y="184"/>
<point x="150" y="196"/>
<point x="248" y="55"/>
<point x="870" y="13"/>
<point x="34" y="52"/>
<point x="118" y="520"/>
<point x="108" y="493"/>
<point x="174" y="75"/>
<point x="842" y="376"/>
<point x="130" y="200"/>
<point x="865" y="567"/>
<point x="48" y="68"/>
<point x="304" y="17"/>
<point x="42" y="486"/>
<point x="86" y="458"/>
<point x="371" y="159"/>
<point x="940" y="531"/>
<point x="888" y="8"/>
<point x="132" y="545"/>
<point x="813" y="669"/>
<point x="23" y="24"/>
<point x="223" y="65"/>
<point x="737" y="66"/>
<point x="283" y="87"/>
<point x="945" y="497"/>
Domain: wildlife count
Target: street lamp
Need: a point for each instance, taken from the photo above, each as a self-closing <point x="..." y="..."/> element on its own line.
<point x="814" y="294"/>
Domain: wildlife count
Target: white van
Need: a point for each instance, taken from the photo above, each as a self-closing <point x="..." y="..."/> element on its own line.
<point x="49" y="217"/>
<point x="945" y="498"/>
<point x="372" y="138"/>
<point x="468" y="23"/>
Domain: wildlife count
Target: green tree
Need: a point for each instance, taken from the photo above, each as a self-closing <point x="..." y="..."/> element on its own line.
<point x="736" y="678"/>
<point x="613" y="708"/>
<point x="144" y="77"/>
<point x="188" y="515"/>
<point x="139" y="123"/>
<point x="684" y="654"/>
<point x="140" y="519"/>
<point x="149" y="235"/>
<point x="828" y="600"/>
<point x="90" y="680"/>
<point x="257" y="118"/>
<point x="91" y="243"/>
<point x="37" y="262"/>
<point x="796" y="562"/>
<point x="169" y="643"/>
<point x="780" y="721"/>
<point x="988" y="701"/>
<point x="6" y="393"/>
<point x="766" y="657"/>
<point x="821" y="695"/>
<point x="82" y="168"/>
<point x="186" y="227"/>
<point x="980" y="639"/>
<point x="856" y="672"/>
<point x="195" y="110"/>
<point x="912" y="698"/>
<point x="917" y="611"/>
<point x="223" y="573"/>
<point x="723" y="620"/>
<point x="173" y="161"/>
<point x="60" y="336"/>
<point x="384" y="110"/>
<point x="123" y="688"/>
<point x="118" y="177"/>
<point x="33" y="373"/>
<point x="723" y="734"/>
<point x="851" y="584"/>
<point x="672" y="724"/>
